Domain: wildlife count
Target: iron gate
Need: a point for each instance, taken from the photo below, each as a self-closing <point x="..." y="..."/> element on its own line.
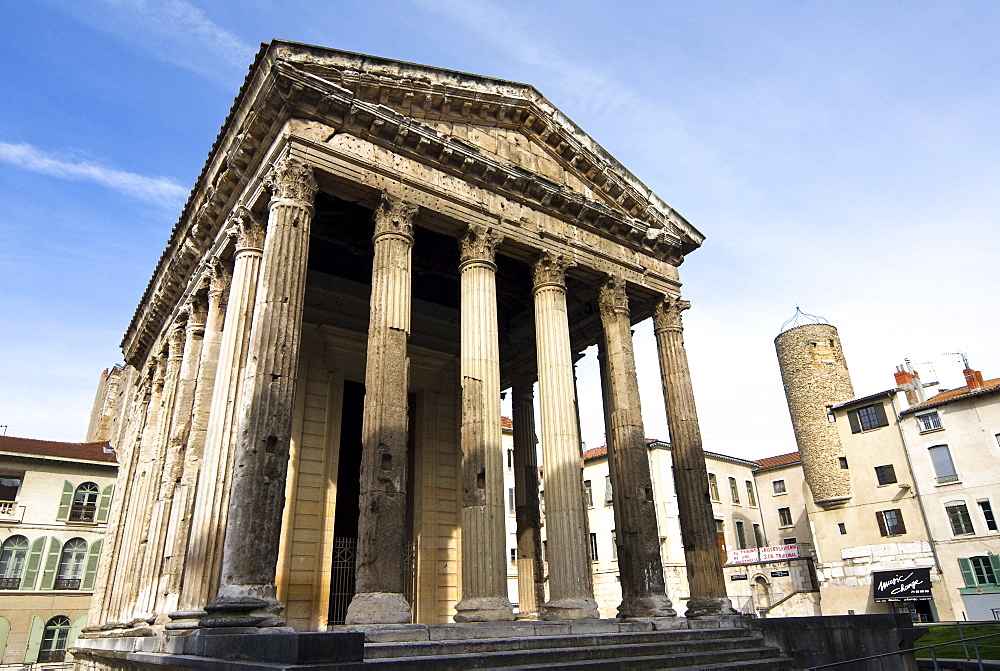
<point x="342" y="576"/>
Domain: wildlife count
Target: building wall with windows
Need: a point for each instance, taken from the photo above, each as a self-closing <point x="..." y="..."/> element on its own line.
<point x="54" y="502"/>
<point x="953" y="440"/>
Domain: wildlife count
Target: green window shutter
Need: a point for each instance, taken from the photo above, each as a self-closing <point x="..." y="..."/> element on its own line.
<point x="33" y="564"/>
<point x="51" y="564"/>
<point x="4" y="632"/>
<point x="74" y="633"/>
<point x="880" y="415"/>
<point x="34" y="640"/>
<point x="66" y="502"/>
<point x="105" y="505"/>
<point x="91" y="571"/>
<point x="852" y="417"/>
<point x="967" y="573"/>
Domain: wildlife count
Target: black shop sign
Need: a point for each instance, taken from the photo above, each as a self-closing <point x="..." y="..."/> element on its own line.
<point x="913" y="584"/>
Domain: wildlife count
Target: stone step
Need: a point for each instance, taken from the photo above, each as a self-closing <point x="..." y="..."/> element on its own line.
<point x="582" y="652"/>
<point x="479" y="646"/>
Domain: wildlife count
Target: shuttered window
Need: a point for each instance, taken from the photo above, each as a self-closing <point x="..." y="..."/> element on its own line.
<point x="867" y="417"/>
<point x="890" y="522"/>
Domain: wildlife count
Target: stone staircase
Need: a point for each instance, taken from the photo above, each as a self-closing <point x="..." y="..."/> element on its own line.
<point x="551" y="646"/>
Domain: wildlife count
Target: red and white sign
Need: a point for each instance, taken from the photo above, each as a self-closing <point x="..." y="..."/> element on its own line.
<point x="776" y="552"/>
<point x="748" y="556"/>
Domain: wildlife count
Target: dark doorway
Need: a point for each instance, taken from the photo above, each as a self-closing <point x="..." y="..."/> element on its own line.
<point x="345" y="522"/>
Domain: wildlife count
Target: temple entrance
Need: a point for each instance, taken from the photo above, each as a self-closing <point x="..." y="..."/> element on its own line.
<point x="348" y="510"/>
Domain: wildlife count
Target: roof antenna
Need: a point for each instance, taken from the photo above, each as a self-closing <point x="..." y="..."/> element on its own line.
<point x="965" y="359"/>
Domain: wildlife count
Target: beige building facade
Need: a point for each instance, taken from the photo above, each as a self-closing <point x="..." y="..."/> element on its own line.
<point x="54" y="504"/>
<point x="373" y="252"/>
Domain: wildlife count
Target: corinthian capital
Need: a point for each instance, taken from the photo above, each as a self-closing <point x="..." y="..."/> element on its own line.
<point x="550" y="268"/>
<point x="479" y="244"/>
<point x="291" y="179"/>
<point x="612" y="297"/>
<point x="667" y="314"/>
<point x="395" y="215"/>
<point x="249" y="229"/>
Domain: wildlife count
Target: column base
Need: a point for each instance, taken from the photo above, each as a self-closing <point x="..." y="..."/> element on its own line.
<point x="378" y="608"/>
<point x="709" y="607"/>
<point x="244" y="606"/>
<point x="657" y="605"/>
<point x="185" y="619"/>
<point x="484" y="609"/>
<point x="584" y="608"/>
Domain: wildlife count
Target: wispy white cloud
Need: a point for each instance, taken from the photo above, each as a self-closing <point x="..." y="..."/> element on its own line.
<point x="172" y="31"/>
<point x="158" y="190"/>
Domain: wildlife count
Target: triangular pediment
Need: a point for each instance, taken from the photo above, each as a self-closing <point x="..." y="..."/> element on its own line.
<point x="510" y="123"/>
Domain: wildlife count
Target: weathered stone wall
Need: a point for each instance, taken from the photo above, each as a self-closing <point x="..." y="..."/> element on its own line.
<point x="815" y="376"/>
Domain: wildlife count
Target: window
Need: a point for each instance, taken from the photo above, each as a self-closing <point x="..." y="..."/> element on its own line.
<point x="713" y="487"/>
<point x="608" y="494"/>
<point x="9" y="486"/>
<point x="84" y="503"/>
<point x="510" y="459"/>
<point x="513" y="555"/>
<point x="890" y="522"/>
<point x="511" y="499"/>
<point x="741" y="535"/>
<point x="758" y="537"/>
<point x="593" y="547"/>
<point x="867" y="418"/>
<point x="842" y="461"/>
<point x="785" y="517"/>
<point x="991" y="521"/>
<point x="929" y="421"/>
<point x="734" y="491"/>
<point x="944" y="467"/>
<point x="788" y="541"/>
<point x="958" y="515"/>
<point x="614" y="545"/>
<point x="886" y="474"/>
<point x="979" y="572"/>
<point x="13" y="554"/>
<point x="55" y="639"/>
<point x="842" y="528"/>
<point x="751" y="497"/>
<point x="588" y="494"/>
<point x="778" y="486"/>
<point x="74" y="555"/>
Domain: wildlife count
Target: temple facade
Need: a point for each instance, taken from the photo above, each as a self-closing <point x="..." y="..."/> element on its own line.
<point x="308" y="419"/>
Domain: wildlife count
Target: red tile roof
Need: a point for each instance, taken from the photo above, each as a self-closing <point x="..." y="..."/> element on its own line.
<point x="779" y="460"/>
<point x="506" y="423"/>
<point x="949" y="395"/>
<point x="595" y="452"/>
<point x="49" y="448"/>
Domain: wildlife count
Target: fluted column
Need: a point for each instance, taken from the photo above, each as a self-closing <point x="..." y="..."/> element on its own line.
<point x="571" y="594"/>
<point x="484" y="564"/>
<point x="150" y="509"/>
<point x="639" y="565"/>
<point x="530" y="569"/>
<point x="203" y="564"/>
<point x="247" y="592"/>
<point x="216" y="285"/>
<point x="378" y="597"/>
<point x="694" y="504"/>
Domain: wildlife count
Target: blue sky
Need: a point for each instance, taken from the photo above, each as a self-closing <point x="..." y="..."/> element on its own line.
<point x="842" y="156"/>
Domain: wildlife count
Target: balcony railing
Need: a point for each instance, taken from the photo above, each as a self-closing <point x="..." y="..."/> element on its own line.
<point x="82" y="513"/>
<point x="945" y="479"/>
<point x="66" y="583"/>
<point x="10" y="583"/>
<point x="7" y="508"/>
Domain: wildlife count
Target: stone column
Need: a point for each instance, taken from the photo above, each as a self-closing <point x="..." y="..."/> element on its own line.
<point x="203" y="565"/>
<point x="639" y="565"/>
<point x="530" y="569"/>
<point x="484" y="565"/>
<point x="216" y="286"/>
<point x="571" y="594"/>
<point x="694" y="504"/>
<point x="382" y="524"/>
<point x="246" y="594"/>
<point x="150" y="508"/>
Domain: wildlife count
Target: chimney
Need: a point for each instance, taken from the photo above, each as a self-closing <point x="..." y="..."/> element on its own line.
<point x="905" y="382"/>
<point x="973" y="379"/>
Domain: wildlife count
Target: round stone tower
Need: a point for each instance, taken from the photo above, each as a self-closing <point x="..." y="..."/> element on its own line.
<point x="815" y="377"/>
